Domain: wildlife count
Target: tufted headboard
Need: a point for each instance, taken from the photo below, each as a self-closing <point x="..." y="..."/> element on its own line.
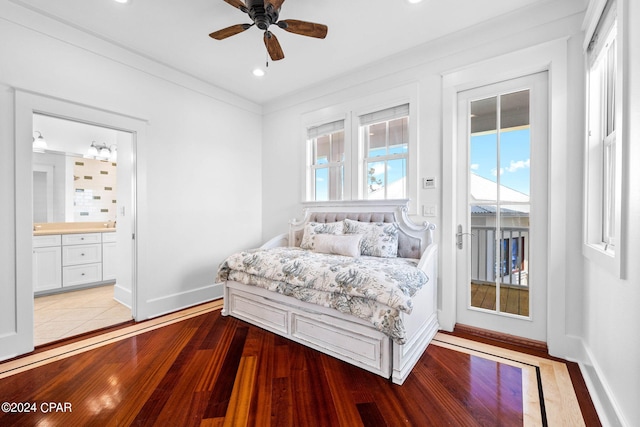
<point x="412" y="238"/>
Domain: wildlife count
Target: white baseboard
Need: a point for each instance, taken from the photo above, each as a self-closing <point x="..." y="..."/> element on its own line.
<point x="600" y="392"/>
<point x="122" y="295"/>
<point x="171" y="303"/>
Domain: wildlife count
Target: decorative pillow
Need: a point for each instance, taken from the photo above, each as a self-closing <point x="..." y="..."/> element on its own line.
<point x="338" y="244"/>
<point x="312" y="229"/>
<point x="378" y="238"/>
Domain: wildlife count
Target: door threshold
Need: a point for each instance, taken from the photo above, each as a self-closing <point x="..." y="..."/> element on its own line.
<point x="524" y="343"/>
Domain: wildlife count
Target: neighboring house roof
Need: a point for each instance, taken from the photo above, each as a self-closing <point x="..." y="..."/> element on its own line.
<point x="484" y="190"/>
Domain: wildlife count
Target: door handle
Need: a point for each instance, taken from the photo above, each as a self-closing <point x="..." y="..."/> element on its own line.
<point x="459" y="235"/>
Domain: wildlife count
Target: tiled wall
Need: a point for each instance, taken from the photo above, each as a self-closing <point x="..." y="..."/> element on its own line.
<point x="95" y="190"/>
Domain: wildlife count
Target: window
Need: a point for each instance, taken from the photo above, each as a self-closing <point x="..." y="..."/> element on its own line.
<point x="385" y="146"/>
<point x="326" y="169"/>
<point x="603" y="203"/>
<point x="363" y="148"/>
<point x="601" y="141"/>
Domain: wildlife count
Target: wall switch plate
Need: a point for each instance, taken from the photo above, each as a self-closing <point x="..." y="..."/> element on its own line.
<point x="429" y="210"/>
<point x="429" y="183"/>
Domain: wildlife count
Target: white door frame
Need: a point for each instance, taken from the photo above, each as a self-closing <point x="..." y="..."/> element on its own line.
<point x="551" y="57"/>
<point x="20" y="339"/>
<point x="532" y="326"/>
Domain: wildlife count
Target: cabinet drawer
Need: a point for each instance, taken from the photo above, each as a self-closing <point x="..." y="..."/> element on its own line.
<point x="44" y="241"/>
<point x="109" y="237"/>
<point x="81" y="274"/>
<point x="81" y="254"/>
<point x="81" y="239"/>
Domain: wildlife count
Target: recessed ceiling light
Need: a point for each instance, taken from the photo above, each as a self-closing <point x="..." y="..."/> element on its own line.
<point x="414" y="1"/>
<point x="123" y="1"/>
<point x="258" y="72"/>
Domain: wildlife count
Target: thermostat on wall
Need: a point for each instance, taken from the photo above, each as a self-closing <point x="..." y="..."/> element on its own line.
<point x="429" y="183"/>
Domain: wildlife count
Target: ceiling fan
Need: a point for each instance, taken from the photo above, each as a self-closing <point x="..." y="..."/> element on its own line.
<point x="264" y="13"/>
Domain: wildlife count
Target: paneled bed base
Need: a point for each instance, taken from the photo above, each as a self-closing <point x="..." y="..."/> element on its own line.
<point x="343" y="336"/>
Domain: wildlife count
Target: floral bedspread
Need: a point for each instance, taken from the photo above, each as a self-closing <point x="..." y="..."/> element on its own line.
<point x="371" y="288"/>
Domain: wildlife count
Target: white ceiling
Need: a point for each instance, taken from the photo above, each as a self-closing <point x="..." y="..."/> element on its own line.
<point x="175" y="33"/>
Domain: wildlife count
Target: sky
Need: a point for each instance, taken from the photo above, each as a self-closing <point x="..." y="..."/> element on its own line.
<point x="514" y="158"/>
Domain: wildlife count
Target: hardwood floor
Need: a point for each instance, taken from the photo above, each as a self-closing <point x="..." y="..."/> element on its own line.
<point x="199" y="368"/>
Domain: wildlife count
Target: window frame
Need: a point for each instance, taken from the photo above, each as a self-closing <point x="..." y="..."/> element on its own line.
<point x="332" y="166"/>
<point x="350" y="112"/>
<point x="603" y="204"/>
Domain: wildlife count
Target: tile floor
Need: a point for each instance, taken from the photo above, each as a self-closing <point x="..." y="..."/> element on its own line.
<point x="73" y="313"/>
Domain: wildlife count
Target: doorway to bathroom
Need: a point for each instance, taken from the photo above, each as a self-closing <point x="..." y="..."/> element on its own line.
<point x="18" y="305"/>
<point x="82" y="200"/>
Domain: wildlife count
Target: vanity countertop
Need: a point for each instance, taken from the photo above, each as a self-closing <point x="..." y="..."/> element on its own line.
<point x="44" y="229"/>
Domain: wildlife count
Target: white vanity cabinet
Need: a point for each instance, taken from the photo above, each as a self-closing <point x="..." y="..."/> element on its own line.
<point x="47" y="262"/>
<point x="81" y="258"/>
<point x="73" y="260"/>
<point x="109" y="256"/>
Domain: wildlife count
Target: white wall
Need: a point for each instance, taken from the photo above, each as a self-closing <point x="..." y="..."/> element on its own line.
<point x="611" y="305"/>
<point x="598" y="315"/>
<point x="198" y="164"/>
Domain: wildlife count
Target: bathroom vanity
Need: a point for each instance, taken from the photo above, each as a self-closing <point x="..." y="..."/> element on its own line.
<point x="69" y="256"/>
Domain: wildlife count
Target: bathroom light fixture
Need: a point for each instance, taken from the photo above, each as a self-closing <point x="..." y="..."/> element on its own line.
<point x="93" y="150"/>
<point x="39" y="143"/>
<point x="102" y="151"/>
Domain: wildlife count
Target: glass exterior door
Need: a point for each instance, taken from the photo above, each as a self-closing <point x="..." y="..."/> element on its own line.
<point x="499" y="201"/>
<point x="501" y="238"/>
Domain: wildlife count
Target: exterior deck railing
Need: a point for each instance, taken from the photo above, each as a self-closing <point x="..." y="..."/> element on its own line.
<point x="511" y="266"/>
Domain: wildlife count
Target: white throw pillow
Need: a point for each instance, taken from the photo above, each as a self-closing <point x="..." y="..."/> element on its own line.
<point x="312" y="229"/>
<point x="338" y="244"/>
<point x="378" y="238"/>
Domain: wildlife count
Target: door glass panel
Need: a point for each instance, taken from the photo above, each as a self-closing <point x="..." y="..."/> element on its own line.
<point x="499" y="203"/>
<point x="483" y="256"/>
<point x="483" y="151"/>
<point x="515" y="150"/>
<point x="514" y="259"/>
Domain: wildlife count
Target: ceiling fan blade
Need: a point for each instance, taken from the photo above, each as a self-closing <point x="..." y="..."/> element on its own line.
<point x="304" y="28"/>
<point x="229" y="31"/>
<point x="273" y="46"/>
<point x="239" y="4"/>
<point x="277" y="4"/>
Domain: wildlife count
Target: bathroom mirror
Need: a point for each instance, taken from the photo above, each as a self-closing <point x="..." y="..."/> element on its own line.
<point x="72" y="182"/>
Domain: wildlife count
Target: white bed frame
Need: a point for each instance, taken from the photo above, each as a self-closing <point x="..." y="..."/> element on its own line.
<point x="344" y="336"/>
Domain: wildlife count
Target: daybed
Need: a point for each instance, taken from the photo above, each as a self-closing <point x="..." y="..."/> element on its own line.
<point x="384" y="331"/>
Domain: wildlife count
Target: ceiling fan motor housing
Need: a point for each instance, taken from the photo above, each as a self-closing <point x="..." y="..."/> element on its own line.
<point x="263" y="17"/>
